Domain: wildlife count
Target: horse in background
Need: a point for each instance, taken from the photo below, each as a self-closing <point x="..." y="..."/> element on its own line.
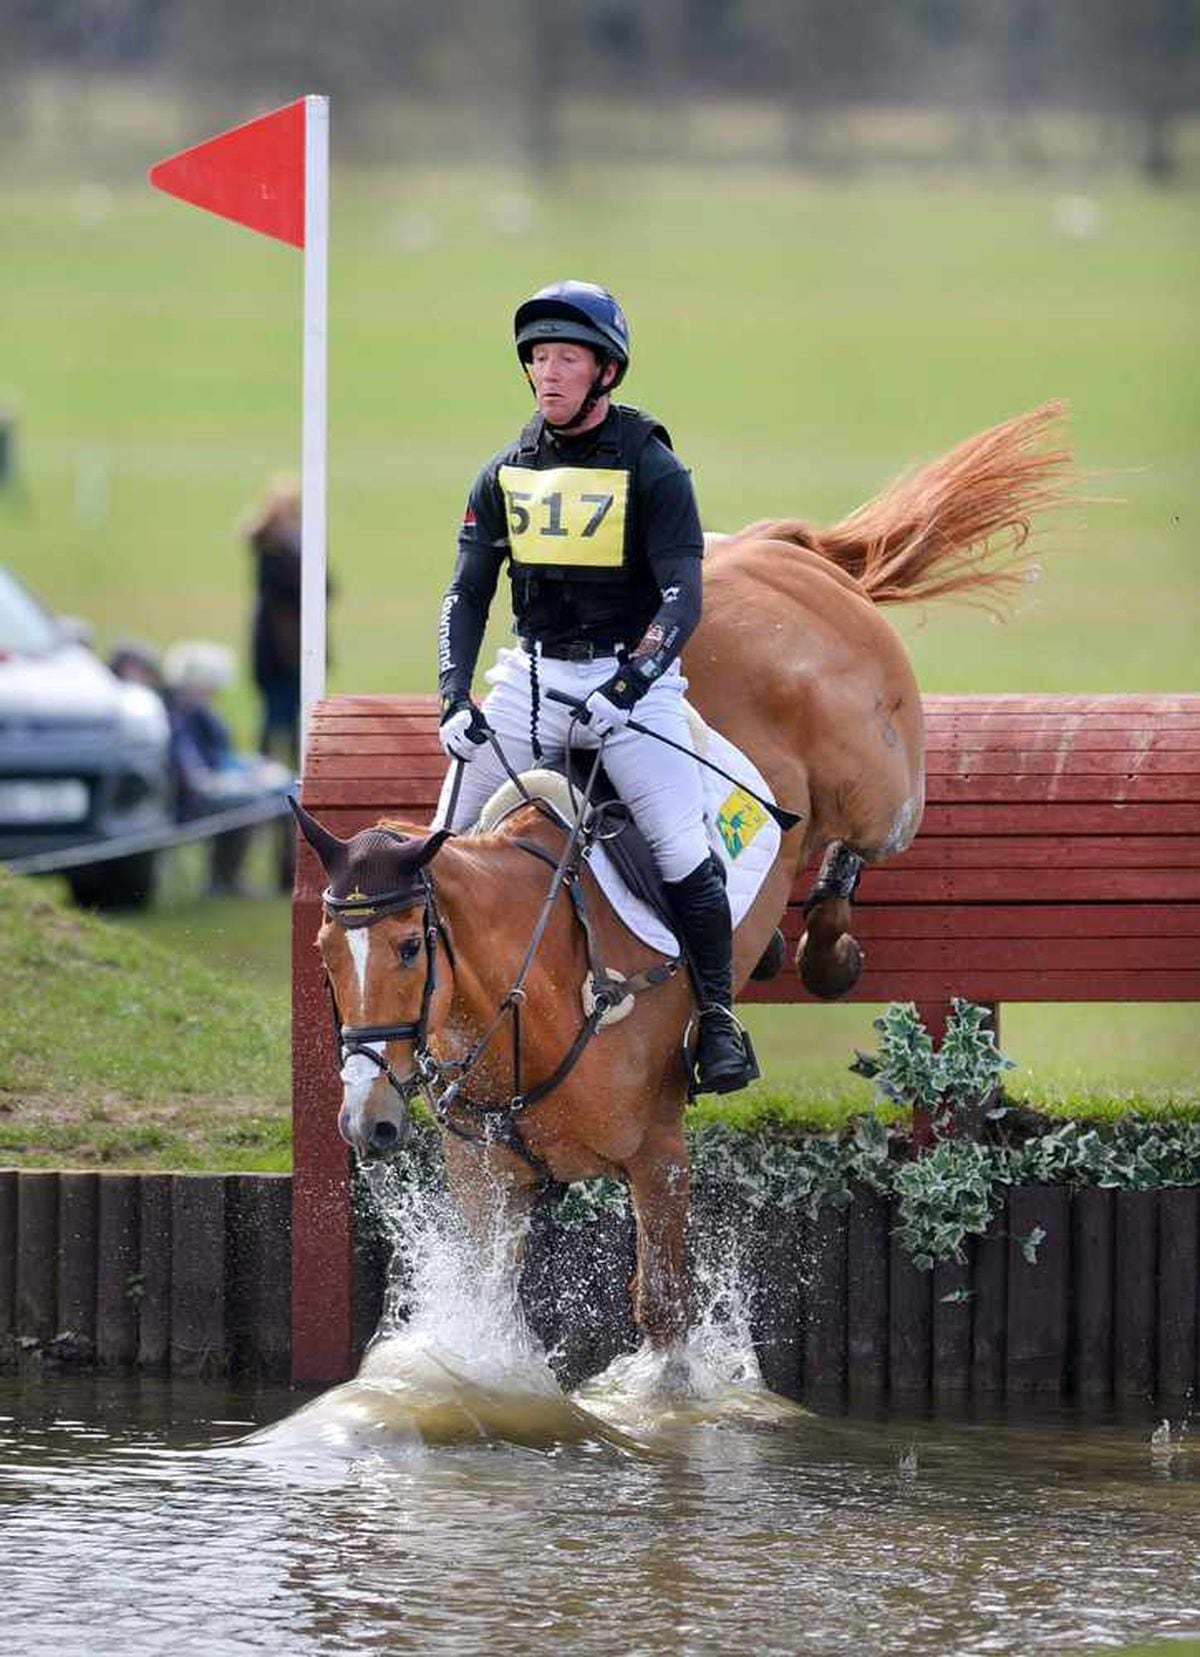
<point x="424" y="935"/>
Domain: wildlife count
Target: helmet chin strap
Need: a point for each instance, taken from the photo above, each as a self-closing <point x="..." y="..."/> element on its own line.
<point x="598" y="389"/>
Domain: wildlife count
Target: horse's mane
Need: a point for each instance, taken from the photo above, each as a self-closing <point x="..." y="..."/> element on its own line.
<point x="411" y="831"/>
<point x="415" y="831"/>
<point x="958" y="526"/>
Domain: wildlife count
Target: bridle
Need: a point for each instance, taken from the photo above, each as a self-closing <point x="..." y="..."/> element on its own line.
<point x="440" y="1081"/>
<point x="358" y="910"/>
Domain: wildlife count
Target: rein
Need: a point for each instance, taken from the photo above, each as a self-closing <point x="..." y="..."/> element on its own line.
<point x="441" y="1081"/>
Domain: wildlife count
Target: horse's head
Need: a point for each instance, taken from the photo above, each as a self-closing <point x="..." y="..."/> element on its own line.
<point x="380" y="940"/>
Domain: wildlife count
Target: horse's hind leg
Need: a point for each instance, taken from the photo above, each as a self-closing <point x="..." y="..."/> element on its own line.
<point x="829" y="958"/>
<point x="658" y="1188"/>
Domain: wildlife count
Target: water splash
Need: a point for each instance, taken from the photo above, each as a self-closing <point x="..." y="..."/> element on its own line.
<point x="455" y="1360"/>
<point x="451" y="1291"/>
<point x="710" y="1377"/>
<point x="1164" y="1449"/>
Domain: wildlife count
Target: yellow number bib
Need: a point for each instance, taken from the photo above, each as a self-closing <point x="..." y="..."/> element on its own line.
<point x="567" y="515"/>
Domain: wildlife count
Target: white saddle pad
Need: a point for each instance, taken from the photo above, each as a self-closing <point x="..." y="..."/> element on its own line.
<point x="744" y="836"/>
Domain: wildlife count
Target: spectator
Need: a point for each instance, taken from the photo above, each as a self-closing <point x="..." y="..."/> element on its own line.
<point x="272" y="533"/>
<point x="137" y="662"/>
<point x="211" y="775"/>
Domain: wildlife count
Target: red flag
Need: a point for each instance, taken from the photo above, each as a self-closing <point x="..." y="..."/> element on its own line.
<point x="253" y="174"/>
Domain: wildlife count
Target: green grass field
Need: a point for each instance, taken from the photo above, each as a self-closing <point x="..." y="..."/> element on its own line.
<point x="803" y="341"/>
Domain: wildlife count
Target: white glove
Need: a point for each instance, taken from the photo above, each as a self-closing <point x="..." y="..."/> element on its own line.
<point x="462" y="732"/>
<point x="611" y="704"/>
<point x="605" y="717"/>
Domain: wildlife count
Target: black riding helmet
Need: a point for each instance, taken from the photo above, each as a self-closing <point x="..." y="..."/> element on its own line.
<point x="584" y="314"/>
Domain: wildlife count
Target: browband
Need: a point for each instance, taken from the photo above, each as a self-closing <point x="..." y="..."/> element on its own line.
<point x="357" y="909"/>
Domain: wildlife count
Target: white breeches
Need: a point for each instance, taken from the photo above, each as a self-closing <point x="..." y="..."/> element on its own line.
<point x="661" y="787"/>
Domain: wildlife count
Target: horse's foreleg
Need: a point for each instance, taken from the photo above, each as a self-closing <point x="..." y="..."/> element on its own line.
<point x="829" y="958"/>
<point x="658" y="1188"/>
<point x="493" y="1195"/>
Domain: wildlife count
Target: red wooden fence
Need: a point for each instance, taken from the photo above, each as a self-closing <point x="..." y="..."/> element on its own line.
<point x="1058" y="860"/>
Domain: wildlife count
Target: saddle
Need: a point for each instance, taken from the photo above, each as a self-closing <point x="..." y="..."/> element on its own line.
<point x="621" y="858"/>
<point x="633" y="860"/>
<point x="608" y="821"/>
<point x="622" y="839"/>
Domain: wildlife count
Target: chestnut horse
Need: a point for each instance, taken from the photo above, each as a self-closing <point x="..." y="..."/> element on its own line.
<point x="425" y="936"/>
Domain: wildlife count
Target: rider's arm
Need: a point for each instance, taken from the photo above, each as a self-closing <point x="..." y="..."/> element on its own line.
<point x="482" y="548"/>
<point x="679" y="581"/>
<point x="675" y="548"/>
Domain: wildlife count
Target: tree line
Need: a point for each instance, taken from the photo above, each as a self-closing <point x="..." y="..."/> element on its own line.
<point x="1132" y="61"/>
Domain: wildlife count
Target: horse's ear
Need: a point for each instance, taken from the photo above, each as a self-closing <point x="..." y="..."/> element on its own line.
<point x="432" y="845"/>
<point x="323" y="841"/>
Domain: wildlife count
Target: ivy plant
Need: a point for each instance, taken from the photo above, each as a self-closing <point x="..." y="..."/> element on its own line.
<point x="943" y="1197"/>
<point x="956" y="1083"/>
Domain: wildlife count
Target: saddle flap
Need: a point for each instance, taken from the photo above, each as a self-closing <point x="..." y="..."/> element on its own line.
<point x="624" y="841"/>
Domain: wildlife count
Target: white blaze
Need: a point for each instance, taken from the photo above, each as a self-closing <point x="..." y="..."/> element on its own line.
<point x="359" y="940"/>
<point x="358" y="1073"/>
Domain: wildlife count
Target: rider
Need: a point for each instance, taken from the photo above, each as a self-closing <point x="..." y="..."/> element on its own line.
<point x="597" y="521"/>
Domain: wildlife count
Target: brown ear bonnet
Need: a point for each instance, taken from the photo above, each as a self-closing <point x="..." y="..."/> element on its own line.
<point x="378" y="871"/>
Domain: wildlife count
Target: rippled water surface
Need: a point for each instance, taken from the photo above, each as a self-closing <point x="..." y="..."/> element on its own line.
<point x="452" y="1499"/>
<point x="717" y="1527"/>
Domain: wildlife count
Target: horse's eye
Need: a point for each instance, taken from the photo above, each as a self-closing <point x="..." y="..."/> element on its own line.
<point x="409" y="950"/>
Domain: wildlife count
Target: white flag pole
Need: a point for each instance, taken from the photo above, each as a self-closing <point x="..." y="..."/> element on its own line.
<point x="316" y="307"/>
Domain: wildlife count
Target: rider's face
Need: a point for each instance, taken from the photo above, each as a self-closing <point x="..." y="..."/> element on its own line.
<point x="562" y="374"/>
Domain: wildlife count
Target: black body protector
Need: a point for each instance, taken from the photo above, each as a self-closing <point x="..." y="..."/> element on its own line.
<point x="577" y="567"/>
<point x="603" y="545"/>
<point x="604" y="548"/>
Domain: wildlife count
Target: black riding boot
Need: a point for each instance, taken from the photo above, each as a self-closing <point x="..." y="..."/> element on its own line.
<point x="701" y="909"/>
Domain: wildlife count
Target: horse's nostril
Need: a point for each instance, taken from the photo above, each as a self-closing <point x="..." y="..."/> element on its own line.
<point x="384" y="1135"/>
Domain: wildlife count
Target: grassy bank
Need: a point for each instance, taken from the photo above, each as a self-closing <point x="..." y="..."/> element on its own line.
<point x="165" y="1044"/>
<point x="129" y="1054"/>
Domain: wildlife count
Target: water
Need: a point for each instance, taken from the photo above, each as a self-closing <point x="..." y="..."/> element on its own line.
<point x="451" y="1498"/>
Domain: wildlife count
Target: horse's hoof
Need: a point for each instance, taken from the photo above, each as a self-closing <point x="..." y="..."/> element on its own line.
<point x="833" y="972"/>
<point x="677" y="1379"/>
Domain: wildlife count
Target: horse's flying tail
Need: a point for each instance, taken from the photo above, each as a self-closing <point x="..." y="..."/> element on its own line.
<point x="959" y="525"/>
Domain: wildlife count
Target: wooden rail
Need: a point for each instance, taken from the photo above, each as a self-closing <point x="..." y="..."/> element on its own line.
<point x="188" y="1275"/>
<point x="181" y="1274"/>
<point x="1058" y="860"/>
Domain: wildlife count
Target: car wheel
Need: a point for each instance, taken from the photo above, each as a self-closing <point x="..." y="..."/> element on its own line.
<point x="121" y="883"/>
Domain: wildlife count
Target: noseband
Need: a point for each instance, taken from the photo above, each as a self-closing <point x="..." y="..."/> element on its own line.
<point x="359" y="910"/>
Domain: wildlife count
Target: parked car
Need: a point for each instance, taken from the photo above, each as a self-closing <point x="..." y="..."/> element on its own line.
<point x="84" y="756"/>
